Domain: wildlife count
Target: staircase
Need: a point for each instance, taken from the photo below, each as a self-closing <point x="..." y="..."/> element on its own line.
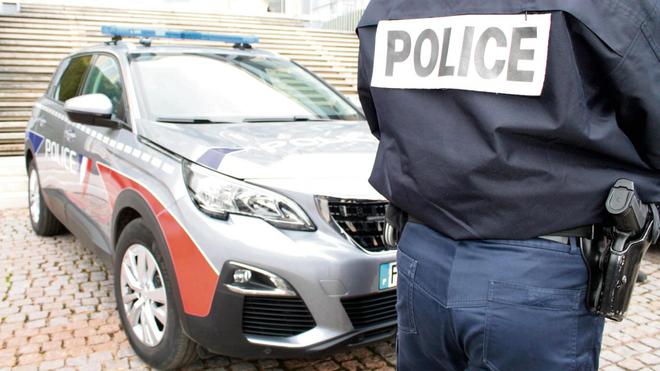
<point x="34" y="41"/>
<point x="14" y="185"/>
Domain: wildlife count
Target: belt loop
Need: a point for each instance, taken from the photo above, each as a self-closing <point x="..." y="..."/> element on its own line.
<point x="573" y="241"/>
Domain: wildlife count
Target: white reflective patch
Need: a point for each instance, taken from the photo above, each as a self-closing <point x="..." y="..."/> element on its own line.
<point x="146" y="157"/>
<point x="489" y="53"/>
<point x="156" y="162"/>
<point x="113" y="143"/>
<point x="128" y="149"/>
<point x="168" y="168"/>
<point x="83" y="169"/>
<point x="120" y="146"/>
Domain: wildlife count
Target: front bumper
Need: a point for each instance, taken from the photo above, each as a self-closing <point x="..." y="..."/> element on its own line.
<point x="323" y="267"/>
<point x="223" y="331"/>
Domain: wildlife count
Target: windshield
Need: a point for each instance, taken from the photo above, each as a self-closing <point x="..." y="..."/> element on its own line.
<point x="207" y="88"/>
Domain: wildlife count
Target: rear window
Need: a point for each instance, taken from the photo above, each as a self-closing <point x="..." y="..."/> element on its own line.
<point x="72" y="77"/>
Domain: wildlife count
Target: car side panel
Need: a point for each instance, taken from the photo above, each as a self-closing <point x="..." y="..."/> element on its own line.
<point x="44" y="139"/>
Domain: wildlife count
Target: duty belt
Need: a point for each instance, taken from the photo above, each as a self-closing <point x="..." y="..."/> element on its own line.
<point x="587" y="231"/>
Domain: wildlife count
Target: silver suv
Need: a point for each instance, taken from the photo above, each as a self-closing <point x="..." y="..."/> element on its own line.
<point x="226" y="189"/>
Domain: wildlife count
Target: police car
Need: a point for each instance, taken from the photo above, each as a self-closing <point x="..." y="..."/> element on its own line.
<point x="227" y="189"/>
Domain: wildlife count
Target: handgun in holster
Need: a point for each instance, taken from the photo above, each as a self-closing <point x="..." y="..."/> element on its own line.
<point x="395" y="220"/>
<point x="614" y="256"/>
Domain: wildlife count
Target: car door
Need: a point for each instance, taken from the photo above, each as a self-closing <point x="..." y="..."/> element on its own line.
<point x="55" y="160"/>
<point x="92" y="143"/>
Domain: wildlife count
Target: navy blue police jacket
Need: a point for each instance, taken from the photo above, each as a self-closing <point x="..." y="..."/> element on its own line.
<point x="493" y="165"/>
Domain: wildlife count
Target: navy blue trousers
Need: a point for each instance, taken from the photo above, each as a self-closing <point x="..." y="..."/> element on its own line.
<point x="492" y="305"/>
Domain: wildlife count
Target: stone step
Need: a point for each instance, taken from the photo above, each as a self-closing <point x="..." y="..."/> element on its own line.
<point x="35" y="40"/>
<point x="13" y="184"/>
<point x="13" y="200"/>
<point x="11" y="167"/>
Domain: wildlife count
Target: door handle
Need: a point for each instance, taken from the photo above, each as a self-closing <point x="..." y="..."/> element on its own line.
<point x="69" y="135"/>
<point x="40" y="121"/>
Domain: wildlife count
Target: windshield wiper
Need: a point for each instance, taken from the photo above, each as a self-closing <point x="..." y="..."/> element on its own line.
<point x="192" y="120"/>
<point x="284" y="119"/>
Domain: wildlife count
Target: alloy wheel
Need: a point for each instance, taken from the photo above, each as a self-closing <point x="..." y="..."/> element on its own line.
<point x="143" y="295"/>
<point x="34" y="196"/>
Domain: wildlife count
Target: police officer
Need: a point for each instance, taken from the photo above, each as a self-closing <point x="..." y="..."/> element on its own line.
<point x="502" y="126"/>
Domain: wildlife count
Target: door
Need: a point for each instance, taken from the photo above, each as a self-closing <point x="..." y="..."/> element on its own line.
<point x="92" y="143"/>
<point x="56" y="161"/>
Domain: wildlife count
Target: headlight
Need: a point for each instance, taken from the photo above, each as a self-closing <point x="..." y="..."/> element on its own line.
<point x="218" y="196"/>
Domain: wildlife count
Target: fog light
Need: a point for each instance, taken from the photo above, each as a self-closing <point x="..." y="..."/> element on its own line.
<point x="248" y="280"/>
<point x="279" y="283"/>
<point x="242" y="275"/>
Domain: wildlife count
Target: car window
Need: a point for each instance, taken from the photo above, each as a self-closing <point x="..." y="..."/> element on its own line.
<point x="73" y="75"/>
<point x="55" y="80"/>
<point x="233" y="87"/>
<point x="105" y="78"/>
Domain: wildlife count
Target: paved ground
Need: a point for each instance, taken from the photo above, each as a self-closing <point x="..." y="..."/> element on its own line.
<point x="57" y="311"/>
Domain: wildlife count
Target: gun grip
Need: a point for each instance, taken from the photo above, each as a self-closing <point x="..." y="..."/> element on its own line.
<point x="625" y="207"/>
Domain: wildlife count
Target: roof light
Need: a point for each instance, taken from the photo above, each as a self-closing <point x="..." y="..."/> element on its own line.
<point x="153" y="33"/>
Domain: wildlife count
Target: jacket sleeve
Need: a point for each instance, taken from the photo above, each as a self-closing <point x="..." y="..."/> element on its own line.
<point x="636" y="85"/>
<point x="365" y="68"/>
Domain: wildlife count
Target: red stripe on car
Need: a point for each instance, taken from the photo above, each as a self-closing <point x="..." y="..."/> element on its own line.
<point x="196" y="277"/>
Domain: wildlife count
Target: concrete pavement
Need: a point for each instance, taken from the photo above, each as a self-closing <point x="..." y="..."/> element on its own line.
<point x="13" y="182"/>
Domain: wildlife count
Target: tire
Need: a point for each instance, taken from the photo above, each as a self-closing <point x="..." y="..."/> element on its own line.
<point x="44" y="222"/>
<point x="158" y="340"/>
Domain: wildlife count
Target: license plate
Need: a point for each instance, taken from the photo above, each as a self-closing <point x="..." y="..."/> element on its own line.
<point x="387" y="276"/>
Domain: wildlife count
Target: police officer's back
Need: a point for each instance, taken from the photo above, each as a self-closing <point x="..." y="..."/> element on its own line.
<point x="468" y="162"/>
<point x="506" y="120"/>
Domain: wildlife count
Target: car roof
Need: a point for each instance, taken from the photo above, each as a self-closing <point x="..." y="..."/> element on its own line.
<point x="122" y="47"/>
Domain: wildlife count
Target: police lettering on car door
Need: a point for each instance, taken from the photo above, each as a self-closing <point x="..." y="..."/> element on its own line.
<point x="490" y="53"/>
<point x="62" y="155"/>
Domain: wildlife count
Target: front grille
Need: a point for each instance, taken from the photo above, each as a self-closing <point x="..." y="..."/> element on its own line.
<point x="272" y="316"/>
<point x="371" y="309"/>
<point x="362" y="220"/>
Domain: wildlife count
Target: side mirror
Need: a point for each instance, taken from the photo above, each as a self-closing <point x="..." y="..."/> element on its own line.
<point x="91" y="109"/>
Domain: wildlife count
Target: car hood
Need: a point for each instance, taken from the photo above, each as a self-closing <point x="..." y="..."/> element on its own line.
<point x="322" y="155"/>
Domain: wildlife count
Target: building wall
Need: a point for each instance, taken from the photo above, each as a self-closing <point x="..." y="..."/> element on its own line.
<point x="312" y="9"/>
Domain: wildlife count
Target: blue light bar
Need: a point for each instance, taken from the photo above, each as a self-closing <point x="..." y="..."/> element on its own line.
<point x="154" y="33"/>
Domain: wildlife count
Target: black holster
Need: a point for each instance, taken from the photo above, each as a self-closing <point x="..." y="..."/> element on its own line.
<point x="614" y="256"/>
<point x="395" y="220"/>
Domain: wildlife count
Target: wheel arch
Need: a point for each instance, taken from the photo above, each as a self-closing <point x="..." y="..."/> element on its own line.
<point x="28" y="157"/>
<point x="130" y="205"/>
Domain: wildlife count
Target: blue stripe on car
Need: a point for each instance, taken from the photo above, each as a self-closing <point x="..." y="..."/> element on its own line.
<point x="214" y="156"/>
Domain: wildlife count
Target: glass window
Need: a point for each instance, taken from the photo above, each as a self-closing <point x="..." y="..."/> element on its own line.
<point x="69" y="84"/>
<point x="276" y="6"/>
<point x="105" y="78"/>
<point x="234" y="88"/>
